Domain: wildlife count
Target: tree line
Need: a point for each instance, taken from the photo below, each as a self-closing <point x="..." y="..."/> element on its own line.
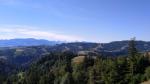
<point x="59" y="68"/>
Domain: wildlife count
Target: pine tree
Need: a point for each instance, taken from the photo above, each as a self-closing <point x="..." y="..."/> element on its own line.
<point x="135" y="62"/>
<point x="147" y="73"/>
<point x="91" y="78"/>
<point x="98" y="70"/>
<point x="132" y="49"/>
<point x="132" y="53"/>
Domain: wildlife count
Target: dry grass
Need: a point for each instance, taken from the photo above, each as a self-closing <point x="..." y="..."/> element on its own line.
<point x="147" y="82"/>
<point x="78" y="59"/>
<point x="19" y="50"/>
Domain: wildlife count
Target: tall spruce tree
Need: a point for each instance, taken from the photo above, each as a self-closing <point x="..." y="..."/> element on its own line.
<point x="132" y="51"/>
<point x="135" y="62"/>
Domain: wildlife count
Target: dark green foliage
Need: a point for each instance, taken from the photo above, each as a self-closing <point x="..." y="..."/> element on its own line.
<point x="58" y="68"/>
<point x="147" y="73"/>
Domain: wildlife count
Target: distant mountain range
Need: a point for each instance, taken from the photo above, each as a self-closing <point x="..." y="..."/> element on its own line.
<point x="115" y="48"/>
<point x="24" y="51"/>
<point x="26" y="42"/>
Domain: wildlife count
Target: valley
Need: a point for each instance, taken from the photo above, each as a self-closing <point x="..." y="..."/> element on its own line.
<point x="36" y="61"/>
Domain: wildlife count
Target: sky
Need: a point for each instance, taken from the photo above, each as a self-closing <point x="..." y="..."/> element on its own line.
<point x="75" y="20"/>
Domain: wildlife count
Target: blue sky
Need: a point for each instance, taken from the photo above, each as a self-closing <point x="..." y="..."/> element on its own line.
<point x="75" y="20"/>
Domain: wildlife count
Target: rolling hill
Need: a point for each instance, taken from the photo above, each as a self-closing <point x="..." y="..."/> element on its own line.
<point x="26" y="54"/>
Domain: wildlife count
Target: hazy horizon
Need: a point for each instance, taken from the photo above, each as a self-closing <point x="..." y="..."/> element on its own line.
<point x="72" y="41"/>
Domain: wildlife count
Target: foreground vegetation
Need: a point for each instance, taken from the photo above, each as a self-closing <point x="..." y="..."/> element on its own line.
<point x="66" y="68"/>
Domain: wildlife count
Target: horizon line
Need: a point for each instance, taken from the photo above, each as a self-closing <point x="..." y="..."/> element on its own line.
<point x="65" y="41"/>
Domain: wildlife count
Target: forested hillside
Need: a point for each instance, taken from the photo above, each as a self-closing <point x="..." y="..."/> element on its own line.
<point x="69" y="68"/>
<point x="24" y="55"/>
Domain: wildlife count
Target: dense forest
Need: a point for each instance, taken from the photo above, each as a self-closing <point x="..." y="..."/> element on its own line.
<point x="70" y="68"/>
